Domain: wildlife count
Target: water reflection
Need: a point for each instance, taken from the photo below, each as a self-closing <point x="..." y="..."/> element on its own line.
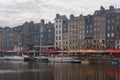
<point x="50" y="71"/>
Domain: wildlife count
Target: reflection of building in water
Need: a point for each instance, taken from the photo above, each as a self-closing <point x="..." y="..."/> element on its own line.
<point x="85" y="72"/>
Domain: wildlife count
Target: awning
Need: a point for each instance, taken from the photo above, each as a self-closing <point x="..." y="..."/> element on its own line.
<point x="62" y="51"/>
<point x="112" y="51"/>
<point x="90" y="51"/>
<point x="3" y="51"/>
<point x="72" y="51"/>
<point x="50" y="51"/>
<point x="99" y="51"/>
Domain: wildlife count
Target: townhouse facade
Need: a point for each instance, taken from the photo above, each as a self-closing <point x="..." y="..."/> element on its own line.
<point x="98" y="31"/>
<point x="89" y="32"/>
<point x="76" y="28"/>
<point x="61" y="27"/>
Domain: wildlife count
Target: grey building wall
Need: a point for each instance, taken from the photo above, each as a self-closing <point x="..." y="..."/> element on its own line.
<point x="89" y="32"/>
<point x="110" y="31"/>
<point x="7" y="39"/>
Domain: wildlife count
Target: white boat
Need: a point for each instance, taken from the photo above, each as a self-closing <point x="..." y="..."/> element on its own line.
<point x="115" y="62"/>
<point x="2" y="58"/>
<point x="42" y="58"/>
<point x="14" y="58"/>
<point x="60" y="59"/>
<point x="76" y="61"/>
<point x="85" y="62"/>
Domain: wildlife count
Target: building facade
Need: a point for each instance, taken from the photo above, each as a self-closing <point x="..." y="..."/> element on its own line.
<point x="89" y="32"/>
<point x="43" y="36"/>
<point x="61" y="26"/>
<point x="76" y="28"/>
<point x="117" y="40"/>
<point x="99" y="29"/>
<point x="9" y="38"/>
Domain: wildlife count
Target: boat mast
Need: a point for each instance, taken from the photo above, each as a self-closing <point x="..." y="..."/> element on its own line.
<point x="41" y="34"/>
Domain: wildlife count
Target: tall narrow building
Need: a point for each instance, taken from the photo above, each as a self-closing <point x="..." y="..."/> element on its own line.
<point x="61" y="26"/>
<point x="113" y="28"/>
<point x="76" y="28"/>
<point x="99" y="29"/>
<point x="89" y="32"/>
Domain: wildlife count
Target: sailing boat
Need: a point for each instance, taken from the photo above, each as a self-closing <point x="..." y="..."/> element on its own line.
<point x="14" y="57"/>
<point x="41" y="57"/>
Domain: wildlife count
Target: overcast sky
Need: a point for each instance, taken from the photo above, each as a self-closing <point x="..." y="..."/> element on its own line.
<point x="16" y="12"/>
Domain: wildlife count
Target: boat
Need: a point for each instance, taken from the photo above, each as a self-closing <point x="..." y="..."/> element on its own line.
<point x="76" y="61"/>
<point x="62" y="59"/>
<point x="14" y="58"/>
<point x="115" y="62"/>
<point x="2" y="57"/>
<point x="85" y="62"/>
<point x="42" y="58"/>
<point x="29" y="58"/>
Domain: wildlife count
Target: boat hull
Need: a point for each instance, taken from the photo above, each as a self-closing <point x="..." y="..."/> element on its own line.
<point x="14" y="58"/>
<point x="63" y="60"/>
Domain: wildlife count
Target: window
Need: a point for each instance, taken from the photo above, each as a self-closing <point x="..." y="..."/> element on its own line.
<point x="41" y="35"/>
<point x="112" y="20"/>
<point x="95" y="24"/>
<point x="103" y="41"/>
<point x="108" y="35"/>
<point x="117" y="23"/>
<point x="56" y="43"/>
<point x="108" y="21"/>
<point x="56" y="21"/>
<point x="56" y="37"/>
<point x="95" y="29"/>
<point x="87" y="31"/>
<point x="59" y="26"/>
<point x="118" y="17"/>
<point x="108" y="28"/>
<point x="59" y="21"/>
<point x="59" y="31"/>
<point x="49" y="30"/>
<point x="56" y="26"/>
<point x="56" y="32"/>
<point x="98" y="24"/>
<point x="59" y="37"/>
<point x="90" y="26"/>
<point x="59" y="43"/>
<point x="98" y="29"/>
<point x="112" y="27"/>
<point x="112" y="35"/>
<point x="117" y="42"/>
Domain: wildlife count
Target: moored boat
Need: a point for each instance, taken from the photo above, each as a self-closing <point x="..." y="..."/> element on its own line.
<point x="42" y="58"/>
<point x="85" y="62"/>
<point x="115" y="62"/>
<point x="76" y="61"/>
<point x="60" y="59"/>
<point x="14" y="58"/>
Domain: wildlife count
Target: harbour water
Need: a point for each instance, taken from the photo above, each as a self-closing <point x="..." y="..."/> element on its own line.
<point x="12" y="70"/>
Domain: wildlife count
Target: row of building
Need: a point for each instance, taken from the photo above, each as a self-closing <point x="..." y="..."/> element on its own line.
<point x="98" y="31"/>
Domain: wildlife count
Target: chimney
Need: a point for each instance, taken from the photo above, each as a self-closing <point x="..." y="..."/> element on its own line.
<point x="111" y="8"/>
<point x="102" y="8"/>
<point x="71" y="16"/>
<point x="57" y="15"/>
<point x="42" y="21"/>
